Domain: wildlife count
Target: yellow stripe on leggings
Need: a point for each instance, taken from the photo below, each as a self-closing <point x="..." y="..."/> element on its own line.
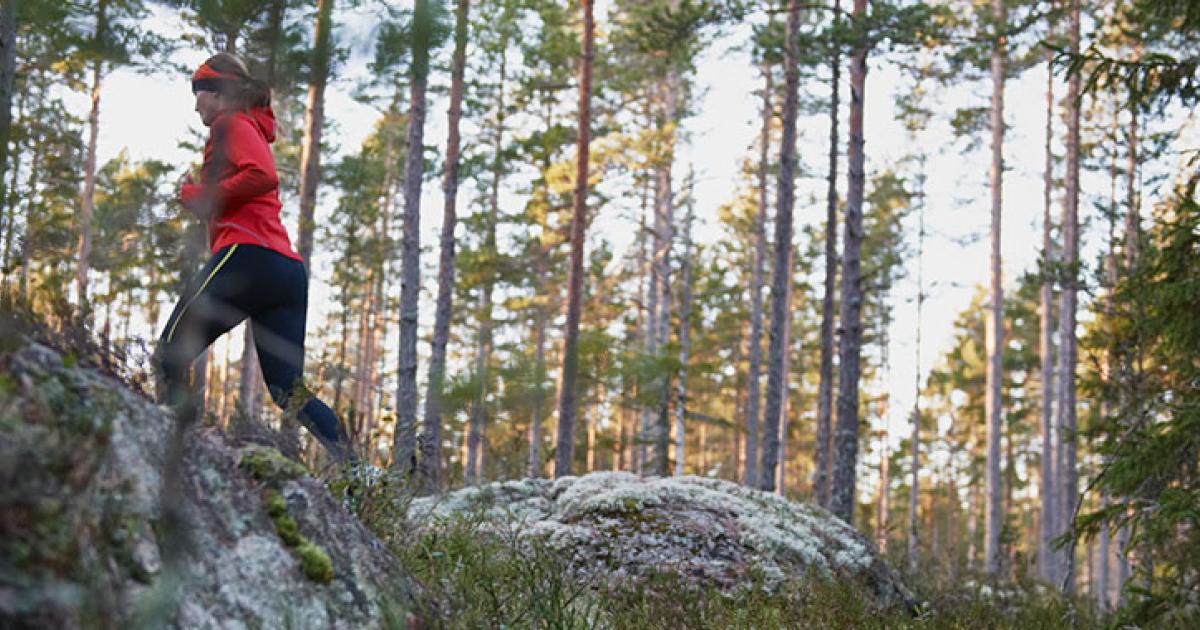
<point x="171" y="333"/>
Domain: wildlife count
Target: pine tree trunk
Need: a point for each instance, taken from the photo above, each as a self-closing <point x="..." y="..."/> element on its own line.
<point x="88" y="199"/>
<point x="1132" y="229"/>
<point x="995" y="321"/>
<point x="842" y="493"/>
<point x="915" y="477"/>
<point x="8" y="72"/>
<point x="567" y="402"/>
<point x="645" y="318"/>
<point x="1066" y="331"/>
<point x="405" y="442"/>
<point x="883" y="505"/>
<point x="1047" y="487"/>
<point x="314" y="125"/>
<point x="685" y="314"/>
<point x="248" y="384"/>
<point x="823" y="456"/>
<point x="781" y="274"/>
<point x="432" y="436"/>
<point x="475" y="437"/>
<point x="539" y="367"/>
<point x="756" y="307"/>
<point x="785" y="403"/>
<point x="664" y="228"/>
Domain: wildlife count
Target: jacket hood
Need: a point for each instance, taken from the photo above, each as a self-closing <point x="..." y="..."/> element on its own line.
<point x="264" y="117"/>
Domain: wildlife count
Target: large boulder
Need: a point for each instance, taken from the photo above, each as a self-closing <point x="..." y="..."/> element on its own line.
<point x="81" y="542"/>
<point x="617" y="526"/>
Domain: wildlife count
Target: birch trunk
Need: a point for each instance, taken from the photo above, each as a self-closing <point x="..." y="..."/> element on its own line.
<point x="431" y="438"/>
<point x="781" y="274"/>
<point x="314" y="125"/>
<point x="567" y="403"/>
<point x="405" y="442"/>
<point x="756" y="286"/>
<point x="842" y="494"/>
<point x="994" y="338"/>
<point x="823" y="456"/>
<point x="1066" y="331"/>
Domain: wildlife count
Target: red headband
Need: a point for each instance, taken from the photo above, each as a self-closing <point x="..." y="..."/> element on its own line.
<point x="208" y="79"/>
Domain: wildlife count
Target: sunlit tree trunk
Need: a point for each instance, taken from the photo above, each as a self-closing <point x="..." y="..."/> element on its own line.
<point x="314" y="124"/>
<point x="664" y="229"/>
<point x="785" y="404"/>
<point x="405" y="441"/>
<point x="1132" y="229"/>
<point x="431" y="438"/>
<point x="88" y="199"/>
<point x="1066" y="331"/>
<point x="685" y="314"/>
<point x="995" y="320"/>
<point x="781" y="273"/>
<point x="823" y="455"/>
<point x="539" y="363"/>
<point x="756" y="285"/>
<point x="914" y="491"/>
<point x="567" y="402"/>
<point x="1047" y="487"/>
<point x="845" y="451"/>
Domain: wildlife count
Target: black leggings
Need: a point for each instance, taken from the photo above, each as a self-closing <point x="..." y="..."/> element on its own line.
<point x="241" y="281"/>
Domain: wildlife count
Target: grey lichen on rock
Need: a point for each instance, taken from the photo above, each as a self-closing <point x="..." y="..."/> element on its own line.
<point x="81" y="460"/>
<point x="709" y="531"/>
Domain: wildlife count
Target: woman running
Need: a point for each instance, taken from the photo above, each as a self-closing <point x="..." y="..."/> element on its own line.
<point x="253" y="272"/>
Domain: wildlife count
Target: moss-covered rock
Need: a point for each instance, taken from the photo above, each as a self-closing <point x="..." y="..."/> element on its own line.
<point x="81" y="461"/>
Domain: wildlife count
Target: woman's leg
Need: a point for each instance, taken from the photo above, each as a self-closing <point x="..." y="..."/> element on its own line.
<point x="208" y="308"/>
<point x="279" y="339"/>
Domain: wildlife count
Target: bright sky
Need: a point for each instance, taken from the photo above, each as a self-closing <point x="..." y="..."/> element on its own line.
<point x="148" y="115"/>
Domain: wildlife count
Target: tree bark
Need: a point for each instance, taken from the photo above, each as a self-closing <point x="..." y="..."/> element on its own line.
<point x="432" y="437"/>
<point x="914" y="491"/>
<point x="567" y="403"/>
<point x="685" y="314"/>
<point x="756" y="286"/>
<point x="823" y="456"/>
<point x="785" y="403"/>
<point x="664" y="229"/>
<point x="88" y="199"/>
<point x="539" y="367"/>
<point x="781" y="274"/>
<point x="842" y="490"/>
<point x="314" y="125"/>
<point x="1066" y="331"/>
<point x="994" y="338"/>
<point x="1047" y="487"/>
<point x="405" y="441"/>
<point x="8" y="72"/>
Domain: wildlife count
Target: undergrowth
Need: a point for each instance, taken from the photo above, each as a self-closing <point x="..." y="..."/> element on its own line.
<point x="478" y="577"/>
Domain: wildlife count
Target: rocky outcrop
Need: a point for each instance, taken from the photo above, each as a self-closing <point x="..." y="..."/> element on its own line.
<point x="81" y="461"/>
<point x="615" y="525"/>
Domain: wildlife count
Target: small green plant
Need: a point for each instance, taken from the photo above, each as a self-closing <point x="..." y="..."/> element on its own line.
<point x="273" y="469"/>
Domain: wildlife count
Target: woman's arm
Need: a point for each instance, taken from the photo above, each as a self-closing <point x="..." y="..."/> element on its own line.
<point x="248" y="161"/>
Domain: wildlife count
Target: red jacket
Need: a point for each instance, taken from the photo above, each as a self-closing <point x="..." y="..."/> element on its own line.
<point x="239" y="173"/>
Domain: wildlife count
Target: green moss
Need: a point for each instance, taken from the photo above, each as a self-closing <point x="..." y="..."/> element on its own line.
<point x="317" y="565"/>
<point x="269" y="465"/>
<point x="276" y="504"/>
